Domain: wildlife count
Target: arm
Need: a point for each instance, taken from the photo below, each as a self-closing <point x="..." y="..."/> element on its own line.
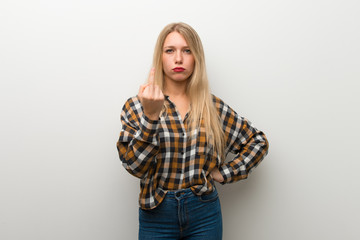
<point x="248" y="144"/>
<point x="138" y="143"/>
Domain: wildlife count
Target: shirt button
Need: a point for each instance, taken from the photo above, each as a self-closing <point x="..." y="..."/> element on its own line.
<point x="182" y="152"/>
<point x="179" y="171"/>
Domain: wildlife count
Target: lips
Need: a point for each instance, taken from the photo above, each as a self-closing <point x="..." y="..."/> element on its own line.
<point x="178" y="69"/>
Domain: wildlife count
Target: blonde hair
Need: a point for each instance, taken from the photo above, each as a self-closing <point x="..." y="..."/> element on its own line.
<point x="202" y="105"/>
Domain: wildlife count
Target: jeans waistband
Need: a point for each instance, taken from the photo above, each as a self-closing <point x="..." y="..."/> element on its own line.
<point x="183" y="193"/>
<point x="179" y="193"/>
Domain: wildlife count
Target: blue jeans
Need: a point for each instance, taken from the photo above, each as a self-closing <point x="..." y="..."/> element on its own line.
<point x="183" y="215"/>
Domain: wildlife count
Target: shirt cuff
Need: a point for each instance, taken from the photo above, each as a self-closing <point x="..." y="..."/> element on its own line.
<point x="227" y="172"/>
<point x="149" y="129"/>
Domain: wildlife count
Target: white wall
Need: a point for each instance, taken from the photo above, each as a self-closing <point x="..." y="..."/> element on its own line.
<point x="67" y="67"/>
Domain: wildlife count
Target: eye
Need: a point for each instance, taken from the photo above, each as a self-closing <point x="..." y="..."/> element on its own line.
<point x="187" y="51"/>
<point x="169" y="50"/>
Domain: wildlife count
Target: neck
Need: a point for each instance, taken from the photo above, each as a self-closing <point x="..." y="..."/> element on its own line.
<point x="175" y="89"/>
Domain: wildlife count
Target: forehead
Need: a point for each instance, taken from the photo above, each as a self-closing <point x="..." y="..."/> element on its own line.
<point x="175" y="39"/>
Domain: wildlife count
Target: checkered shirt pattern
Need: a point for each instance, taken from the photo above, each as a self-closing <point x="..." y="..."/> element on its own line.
<point x="165" y="156"/>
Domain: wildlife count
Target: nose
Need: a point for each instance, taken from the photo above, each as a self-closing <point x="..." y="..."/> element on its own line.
<point x="178" y="57"/>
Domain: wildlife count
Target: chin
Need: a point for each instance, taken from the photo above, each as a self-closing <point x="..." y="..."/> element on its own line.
<point x="180" y="80"/>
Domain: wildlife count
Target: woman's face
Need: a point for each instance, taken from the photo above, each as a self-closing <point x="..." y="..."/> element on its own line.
<point x="178" y="61"/>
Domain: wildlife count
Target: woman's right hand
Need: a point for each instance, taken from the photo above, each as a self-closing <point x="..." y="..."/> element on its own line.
<point x="151" y="98"/>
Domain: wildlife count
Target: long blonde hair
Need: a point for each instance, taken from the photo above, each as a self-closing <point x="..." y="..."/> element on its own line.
<point x="202" y="105"/>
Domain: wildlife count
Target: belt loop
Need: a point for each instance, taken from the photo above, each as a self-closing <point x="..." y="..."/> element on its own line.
<point x="179" y="194"/>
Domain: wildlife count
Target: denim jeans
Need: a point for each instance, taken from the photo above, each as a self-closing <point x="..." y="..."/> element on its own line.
<point x="183" y="215"/>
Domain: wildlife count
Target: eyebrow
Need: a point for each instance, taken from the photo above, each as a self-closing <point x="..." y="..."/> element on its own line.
<point x="174" y="47"/>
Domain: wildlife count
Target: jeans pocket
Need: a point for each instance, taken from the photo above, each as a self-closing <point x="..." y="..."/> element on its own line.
<point x="209" y="197"/>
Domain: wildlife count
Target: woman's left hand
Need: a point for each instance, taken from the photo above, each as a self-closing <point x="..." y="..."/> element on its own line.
<point x="216" y="175"/>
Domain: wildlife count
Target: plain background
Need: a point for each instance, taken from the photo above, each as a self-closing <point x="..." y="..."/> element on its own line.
<point x="67" y="67"/>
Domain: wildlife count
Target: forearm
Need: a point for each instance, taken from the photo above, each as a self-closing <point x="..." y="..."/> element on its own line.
<point x="137" y="157"/>
<point x="138" y="147"/>
<point x="248" y="158"/>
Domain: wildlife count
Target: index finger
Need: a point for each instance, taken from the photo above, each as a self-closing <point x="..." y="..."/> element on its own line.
<point x="152" y="76"/>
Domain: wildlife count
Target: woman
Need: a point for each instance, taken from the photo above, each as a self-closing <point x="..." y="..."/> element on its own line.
<point x="175" y="136"/>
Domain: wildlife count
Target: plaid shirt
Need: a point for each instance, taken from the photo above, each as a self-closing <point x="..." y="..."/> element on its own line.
<point x="165" y="156"/>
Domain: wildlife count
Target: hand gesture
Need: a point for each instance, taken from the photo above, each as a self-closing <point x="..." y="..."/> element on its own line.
<point x="151" y="98"/>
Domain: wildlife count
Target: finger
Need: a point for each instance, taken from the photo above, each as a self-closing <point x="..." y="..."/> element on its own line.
<point x="158" y="93"/>
<point x="149" y="91"/>
<point x="152" y="76"/>
<point x="142" y="88"/>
